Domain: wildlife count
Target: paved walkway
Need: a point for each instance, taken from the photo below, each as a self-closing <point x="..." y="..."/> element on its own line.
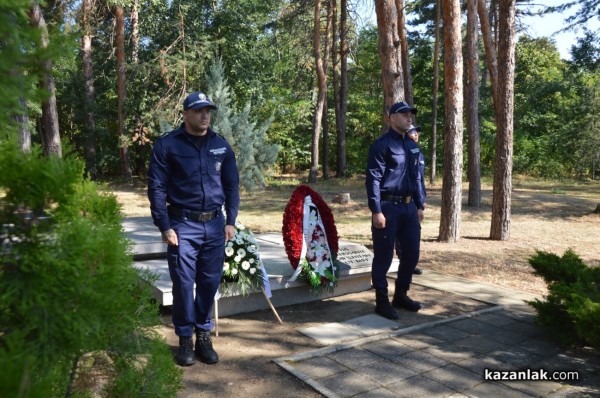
<point x="374" y="357"/>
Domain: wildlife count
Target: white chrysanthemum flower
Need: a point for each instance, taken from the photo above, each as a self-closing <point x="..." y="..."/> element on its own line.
<point x="251" y="261"/>
<point x="234" y="271"/>
<point x="241" y="252"/>
<point x="251" y="249"/>
<point x="245" y="265"/>
<point x="229" y="244"/>
<point x="229" y="251"/>
<point x="237" y="259"/>
<point x="252" y="271"/>
<point x="225" y="266"/>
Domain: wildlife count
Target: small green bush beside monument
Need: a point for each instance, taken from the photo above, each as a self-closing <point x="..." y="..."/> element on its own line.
<point x="571" y="311"/>
<point x="74" y="318"/>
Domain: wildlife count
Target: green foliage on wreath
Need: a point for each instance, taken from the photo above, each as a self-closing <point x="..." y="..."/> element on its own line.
<point x="72" y="309"/>
<point x="571" y="311"/>
<point x="319" y="284"/>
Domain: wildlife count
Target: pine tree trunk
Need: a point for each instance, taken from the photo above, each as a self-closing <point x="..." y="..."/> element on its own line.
<point x="472" y="96"/>
<point x="453" y="126"/>
<point x="389" y="54"/>
<point x="322" y="94"/>
<point x="436" y="85"/>
<point x="404" y="55"/>
<point x="501" y="199"/>
<point x="50" y="130"/>
<point x="120" y="44"/>
<point x="326" y="54"/>
<point x="490" y="49"/>
<point x="343" y="100"/>
<point x="89" y="89"/>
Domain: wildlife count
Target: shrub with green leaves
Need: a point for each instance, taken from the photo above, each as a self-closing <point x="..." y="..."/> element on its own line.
<point x="571" y="311"/>
<point x="72" y="309"/>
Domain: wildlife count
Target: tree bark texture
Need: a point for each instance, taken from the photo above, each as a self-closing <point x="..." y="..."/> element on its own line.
<point x="404" y="55"/>
<point x="436" y="86"/>
<point x="453" y="126"/>
<point x="389" y="54"/>
<point x="327" y="54"/>
<point x="490" y="49"/>
<point x="501" y="199"/>
<point x="322" y="94"/>
<point x="342" y="165"/>
<point x="50" y="130"/>
<point x="120" y="44"/>
<point x="340" y="82"/>
<point x="89" y="89"/>
<point x="472" y="100"/>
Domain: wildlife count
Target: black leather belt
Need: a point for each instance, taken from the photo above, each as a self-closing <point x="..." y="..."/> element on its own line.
<point x="192" y="215"/>
<point x="392" y="198"/>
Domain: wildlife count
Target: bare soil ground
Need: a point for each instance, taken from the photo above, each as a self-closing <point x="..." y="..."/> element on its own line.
<point x="546" y="216"/>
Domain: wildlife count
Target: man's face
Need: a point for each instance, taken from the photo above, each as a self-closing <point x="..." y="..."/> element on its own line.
<point x="414" y="135"/>
<point x="197" y="121"/>
<point x="401" y="121"/>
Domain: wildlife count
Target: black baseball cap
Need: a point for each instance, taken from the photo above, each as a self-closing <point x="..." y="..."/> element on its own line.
<point x="402" y="107"/>
<point x="197" y="100"/>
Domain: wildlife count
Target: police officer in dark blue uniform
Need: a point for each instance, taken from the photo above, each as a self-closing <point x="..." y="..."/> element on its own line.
<point x="413" y="134"/>
<point x="395" y="199"/>
<point x="192" y="175"/>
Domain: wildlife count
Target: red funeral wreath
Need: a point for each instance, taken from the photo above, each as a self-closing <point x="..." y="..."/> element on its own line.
<point x="292" y="223"/>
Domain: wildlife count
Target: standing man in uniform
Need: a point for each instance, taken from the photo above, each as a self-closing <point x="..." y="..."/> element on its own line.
<point x="413" y="134"/>
<point x="192" y="175"/>
<point x="396" y="204"/>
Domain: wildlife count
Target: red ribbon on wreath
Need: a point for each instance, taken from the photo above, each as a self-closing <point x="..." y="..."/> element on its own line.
<point x="292" y="230"/>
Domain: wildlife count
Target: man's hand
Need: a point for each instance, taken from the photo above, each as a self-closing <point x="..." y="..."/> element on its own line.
<point x="421" y="215"/>
<point x="170" y="237"/>
<point x="378" y="220"/>
<point x="229" y="232"/>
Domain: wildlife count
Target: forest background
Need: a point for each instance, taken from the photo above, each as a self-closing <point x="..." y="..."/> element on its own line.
<point x="121" y="70"/>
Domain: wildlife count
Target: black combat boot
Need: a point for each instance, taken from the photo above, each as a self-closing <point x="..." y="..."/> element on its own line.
<point x="383" y="306"/>
<point x="204" y="348"/>
<point x="401" y="300"/>
<point x="185" y="355"/>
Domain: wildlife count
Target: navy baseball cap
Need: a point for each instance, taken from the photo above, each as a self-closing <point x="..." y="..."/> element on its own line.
<point x="414" y="128"/>
<point x="402" y="107"/>
<point x="197" y="100"/>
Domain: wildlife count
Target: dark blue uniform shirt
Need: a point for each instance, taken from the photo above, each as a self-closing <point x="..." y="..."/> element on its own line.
<point x="198" y="179"/>
<point x="393" y="169"/>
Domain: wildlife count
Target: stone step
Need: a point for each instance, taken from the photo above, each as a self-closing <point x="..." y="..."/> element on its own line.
<point x="149" y="254"/>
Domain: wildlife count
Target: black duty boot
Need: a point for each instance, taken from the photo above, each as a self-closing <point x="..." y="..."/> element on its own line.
<point x="401" y="300"/>
<point x="417" y="271"/>
<point x="383" y="306"/>
<point x="185" y="355"/>
<point x="204" y="348"/>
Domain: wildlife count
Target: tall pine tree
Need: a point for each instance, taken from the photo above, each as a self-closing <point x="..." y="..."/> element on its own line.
<point x="254" y="153"/>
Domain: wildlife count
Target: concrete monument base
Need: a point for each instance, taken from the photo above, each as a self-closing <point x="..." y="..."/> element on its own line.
<point x="149" y="254"/>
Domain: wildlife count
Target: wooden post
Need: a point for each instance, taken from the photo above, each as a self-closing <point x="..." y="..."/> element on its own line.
<point x="217" y="317"/>
<point x="271" y="305"/>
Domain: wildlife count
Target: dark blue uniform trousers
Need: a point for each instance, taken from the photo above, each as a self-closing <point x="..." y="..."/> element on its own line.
<point x="402" y="227"/>
<point x="197" y="260"/>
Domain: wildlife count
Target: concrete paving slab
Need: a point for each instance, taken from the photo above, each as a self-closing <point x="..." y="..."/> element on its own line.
<point x="348" y="384"/>
<point x="371" y="324"/>
<point x="455" y="377"/>
<point x="331" y="333"/>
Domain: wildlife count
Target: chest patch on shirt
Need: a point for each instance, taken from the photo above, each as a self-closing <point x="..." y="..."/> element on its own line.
<point x="218" y="151"/>
<point x="415" y="150"/>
